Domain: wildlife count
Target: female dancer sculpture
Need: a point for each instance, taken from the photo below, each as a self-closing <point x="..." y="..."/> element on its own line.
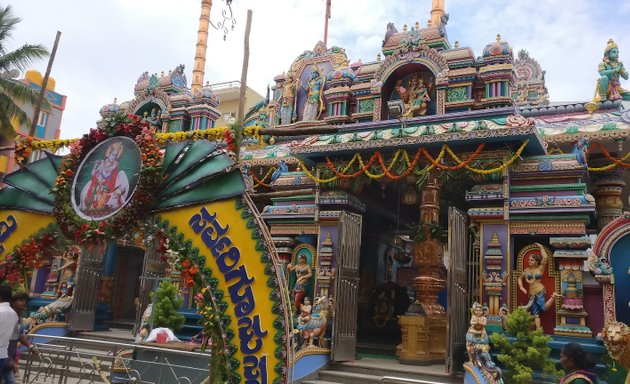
<point x="303" y="276"/>
<point x="533" y="275"/>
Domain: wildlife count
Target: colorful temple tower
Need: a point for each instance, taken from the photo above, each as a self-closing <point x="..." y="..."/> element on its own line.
<point x="378" y="200"/>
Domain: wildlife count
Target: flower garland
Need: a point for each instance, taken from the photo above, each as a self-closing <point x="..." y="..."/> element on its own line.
<point x="262" y="181"/>
<point x="28" y="255"/>
<point x="615" y="162"/>
<point x="121" y="223"/>
<point x="364" y="167"/>
<point x="23" y="150"/>
<point x="24" y="145"/>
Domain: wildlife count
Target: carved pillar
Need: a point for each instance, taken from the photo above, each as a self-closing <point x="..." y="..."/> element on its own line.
<point x="424" y="324"/>
<point x="571" y="253"/>
<point x="608" y="189"/>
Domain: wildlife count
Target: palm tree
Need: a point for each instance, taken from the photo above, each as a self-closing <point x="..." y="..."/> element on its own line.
<point x="14" y="92"/>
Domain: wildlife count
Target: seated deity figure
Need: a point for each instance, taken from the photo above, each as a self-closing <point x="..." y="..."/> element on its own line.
<point x="314" y="96"/>
<point x="610" y="70"/>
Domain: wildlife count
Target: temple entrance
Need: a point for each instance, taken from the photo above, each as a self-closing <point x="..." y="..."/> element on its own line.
<point x="127" y="272"/>
<point x="390" y="226"/>
<point x="620" y="263"/>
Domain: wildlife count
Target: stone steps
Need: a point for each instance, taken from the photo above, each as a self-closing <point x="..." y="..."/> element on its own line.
<point x="372" y="370"/>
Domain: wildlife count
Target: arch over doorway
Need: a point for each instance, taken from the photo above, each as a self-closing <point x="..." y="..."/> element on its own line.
<point x="612" y="267"/>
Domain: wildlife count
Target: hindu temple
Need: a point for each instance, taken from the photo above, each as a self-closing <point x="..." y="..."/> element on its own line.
<point x="377" y="201"/>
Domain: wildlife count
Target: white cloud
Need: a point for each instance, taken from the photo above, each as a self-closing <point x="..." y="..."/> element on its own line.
<point x="105" y="46"/>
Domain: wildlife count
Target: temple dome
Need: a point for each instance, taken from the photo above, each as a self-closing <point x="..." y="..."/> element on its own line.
<point x="109" y="109"/>
<point x="206" y="95"/>
<point x="340" y="73"/>
<point x="497" y="49"/>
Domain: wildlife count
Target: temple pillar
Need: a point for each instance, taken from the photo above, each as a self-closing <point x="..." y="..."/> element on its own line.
<point x="608" y="188"/>
<point x="571" y="253"/>
<point x="424" y="324"/>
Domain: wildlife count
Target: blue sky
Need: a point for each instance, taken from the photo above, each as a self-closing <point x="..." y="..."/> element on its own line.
<point x="106" y="45"/>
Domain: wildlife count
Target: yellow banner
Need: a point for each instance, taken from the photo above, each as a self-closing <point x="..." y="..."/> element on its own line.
<point x="220" y="233"/>
<point x="17" y="226"/>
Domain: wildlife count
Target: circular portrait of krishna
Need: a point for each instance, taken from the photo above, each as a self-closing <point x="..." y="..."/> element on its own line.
<point x="106" y="178"/>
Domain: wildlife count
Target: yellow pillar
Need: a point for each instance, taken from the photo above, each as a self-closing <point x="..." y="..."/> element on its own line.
<point x="202" y="45"/>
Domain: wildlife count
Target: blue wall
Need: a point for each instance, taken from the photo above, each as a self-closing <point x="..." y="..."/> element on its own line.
<point x="620" y="261"/>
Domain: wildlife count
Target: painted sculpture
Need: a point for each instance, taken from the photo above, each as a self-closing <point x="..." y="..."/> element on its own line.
<point x="610" y="69"/>
<point x="287" y="105"/>
<point x="314" y="97"/>
<point x="314" y="324"/>
<point x="303" y="274"/>
<point x="480" y="368"/>
<point x="532" y="275"/>
<point x="579" y="150"/>
<point x="616" y="336"/>
<point x="476" y="334"/>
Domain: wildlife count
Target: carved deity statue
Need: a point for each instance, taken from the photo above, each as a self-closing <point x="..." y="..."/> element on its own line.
<point x="478" y="347"/>
<point x="415" y="96"/>
<point x="314" y="96"/>
<point x="287" y="105"/>
<point x="532" y="275"/>
<point x="610" y="69"/>
<point x="303" y="275"/>
<point x="316" y="323"/>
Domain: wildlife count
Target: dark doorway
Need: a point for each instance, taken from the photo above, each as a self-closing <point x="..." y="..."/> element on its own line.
<point x="127" y="271"/>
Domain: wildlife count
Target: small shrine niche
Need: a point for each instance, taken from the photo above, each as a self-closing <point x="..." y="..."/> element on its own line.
<point x="411" y="95"/>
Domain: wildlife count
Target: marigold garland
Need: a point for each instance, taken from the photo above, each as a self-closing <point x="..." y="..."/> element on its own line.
<point x="615" y="161"/>
<point x="364" y="168"/>
<point x="262" y="181"/>
<point x="24" y="145"/>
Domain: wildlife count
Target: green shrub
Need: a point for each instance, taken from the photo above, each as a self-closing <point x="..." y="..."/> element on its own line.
<point x="166" y="305"/>
<point x="523" y="350"/>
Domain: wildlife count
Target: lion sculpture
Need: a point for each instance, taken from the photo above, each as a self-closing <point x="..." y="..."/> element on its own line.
<point x="616" y="337"/>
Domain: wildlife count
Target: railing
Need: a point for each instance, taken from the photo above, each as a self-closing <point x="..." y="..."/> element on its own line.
<point x="67" y="360"/>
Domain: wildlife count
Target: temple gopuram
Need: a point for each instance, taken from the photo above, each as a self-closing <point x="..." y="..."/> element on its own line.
<point x="362" y="209"/>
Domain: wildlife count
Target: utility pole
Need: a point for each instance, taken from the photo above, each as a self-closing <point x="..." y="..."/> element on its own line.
<point x="241" y="102"/>
<point x="42" y="92"/>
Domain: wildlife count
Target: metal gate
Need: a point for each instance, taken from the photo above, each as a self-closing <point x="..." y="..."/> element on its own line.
<point x="457" y="286"/>
<point x="84" y="298"/>
<point x="344" y="340"/>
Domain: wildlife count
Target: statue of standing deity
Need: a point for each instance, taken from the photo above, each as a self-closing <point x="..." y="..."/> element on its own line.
<point x="610" y="69"/>
<point x="314" y="96"/>
<point x="287" y="105"/>
<point x="303" y="275"/>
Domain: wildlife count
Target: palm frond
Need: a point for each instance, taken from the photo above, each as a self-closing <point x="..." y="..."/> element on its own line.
<point x="20" y="92"/>
<point x="22" y="57"/>
<point x="8" y="21"/>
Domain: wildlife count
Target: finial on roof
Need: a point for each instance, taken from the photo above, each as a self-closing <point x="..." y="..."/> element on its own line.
<point x="162" y="74"/>
<point x="456" y="44"/>
<point x="498" y="37"/>
<point x="378" y="57"/>
<point x="417" y="26"/>
<point x="115" y="100"/>
<point x="405" y="28"/>
<point x="429" y="23"/>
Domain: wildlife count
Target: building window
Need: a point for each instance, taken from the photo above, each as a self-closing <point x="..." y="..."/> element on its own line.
<point x="43" y="119"/>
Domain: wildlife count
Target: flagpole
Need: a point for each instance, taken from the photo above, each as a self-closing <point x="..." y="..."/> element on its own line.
<point x="326" y="23"/>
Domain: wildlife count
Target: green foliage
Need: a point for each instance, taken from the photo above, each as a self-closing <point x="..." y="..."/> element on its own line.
<point x="166" y="305"/>
<point x="12" y="91"/>
<point x="525" y="351"/>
